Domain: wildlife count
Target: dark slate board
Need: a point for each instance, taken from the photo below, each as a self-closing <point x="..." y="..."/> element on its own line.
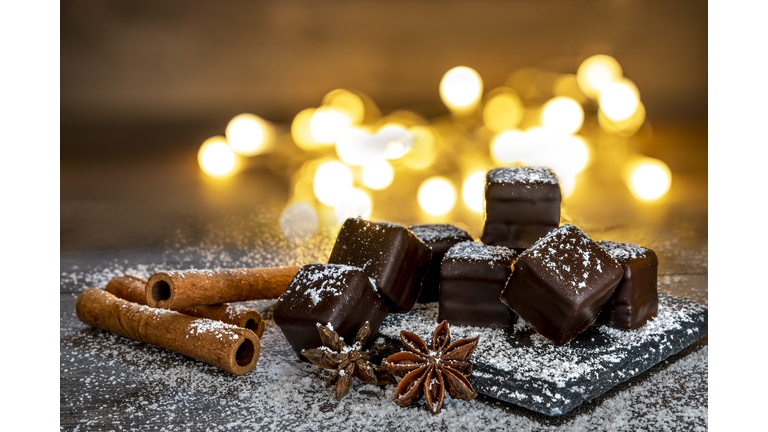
<point x="523" y="368"/>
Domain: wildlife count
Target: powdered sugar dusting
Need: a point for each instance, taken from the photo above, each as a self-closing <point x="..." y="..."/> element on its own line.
<point x="623" y="250"/>
<point x="521" y="175"/>
<point x="332" y="279"/>
<point x="475" y="251"/>
<point x="438" y="232"/>
<point x="569" y="257"/>
<point x="220" y="329"/>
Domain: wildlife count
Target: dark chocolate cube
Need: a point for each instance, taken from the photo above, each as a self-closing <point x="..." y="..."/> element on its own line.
<point x="521" y="205"/>
<point x="560" y="284"/>
<point x="343" y="296"/>
<point x="636" y="299"/>
<point x="439" y="238"/>
<point x="471" y="279"/>
<point x="393" y="257"/>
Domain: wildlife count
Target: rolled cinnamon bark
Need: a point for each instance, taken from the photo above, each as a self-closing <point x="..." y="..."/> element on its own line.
<point x="178" y="289"/>
<point x="234" y="349"/>
<point x="133" y="289"/>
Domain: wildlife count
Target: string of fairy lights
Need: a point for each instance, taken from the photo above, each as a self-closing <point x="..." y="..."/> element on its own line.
<point x="345" y="150"/>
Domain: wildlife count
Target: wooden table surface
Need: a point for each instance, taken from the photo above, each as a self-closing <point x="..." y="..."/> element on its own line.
<point x="142" y="210"/>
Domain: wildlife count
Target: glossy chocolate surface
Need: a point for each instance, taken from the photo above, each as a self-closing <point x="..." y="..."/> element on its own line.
<point x="636" y="299"/>
<point x="522" y="204"/>
<point x="343" y="296"/>
<point x="390" y="254"/>
<point x="560" y="284"/>
<point x="471" y="279"/>
<point x="439" y="238"/>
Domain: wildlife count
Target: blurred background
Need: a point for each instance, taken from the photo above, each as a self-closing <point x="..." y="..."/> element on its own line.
<point x="384" y="109"/>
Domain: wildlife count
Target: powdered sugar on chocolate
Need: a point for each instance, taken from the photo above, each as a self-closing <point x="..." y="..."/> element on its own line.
<point x="332" y="277"/>
<point x="521" y="175"/>
<point x="623" y="250"/>
<point x="437" y="232"/>
<point x="475" y="251"/>
<point x="570" y="257"/>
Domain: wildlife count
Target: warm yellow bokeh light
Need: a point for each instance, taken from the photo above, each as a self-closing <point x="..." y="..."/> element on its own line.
<point x="298" y="222"/>
<point x="300" y="131"/>
<point x="596" y="73"/>
<point x="568" y="85"/>
<point x="249" y="134"/>
<point x="356" y="146"/>
<point x="473" y="191"/>
<point x="333" y="181"/>
<point x="562" y="115"/>
<point x="347" y="102"/>
<point x="423" y="149"/>
<point x="461" y="88"/>
<point x="216" y="157"/>
<point x="503" y="110"/>
<point x="378" y="175"/>
<point x="509" y="147"/>
<point x="626" y="127"/>
<point x="650" y="179"/>
<point x="355" y="203"/>
<point x="436" y="196"/>
<point x="328" y="124"/>
<point x="567" y="184"/>
<point x="574" y="154"/>
<point x="618" y="101"/>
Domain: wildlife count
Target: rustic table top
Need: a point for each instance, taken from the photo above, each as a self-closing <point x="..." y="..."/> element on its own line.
<point x="137" y="216"/>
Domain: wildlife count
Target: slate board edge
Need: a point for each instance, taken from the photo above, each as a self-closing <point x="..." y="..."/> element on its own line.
<point x="700" y="320"/>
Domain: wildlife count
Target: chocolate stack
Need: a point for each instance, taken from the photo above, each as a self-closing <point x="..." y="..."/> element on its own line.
<point x="553" y="277"/>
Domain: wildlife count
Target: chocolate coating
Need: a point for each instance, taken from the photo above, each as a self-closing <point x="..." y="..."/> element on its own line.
<point x="522" y="205"/>
<point x="471" y="279"/>
<point x="439" y="238"/>
<point x="343" y="296"/>
<point x="393" y="257"/>
<point x="636" y="299"/>
<point x="560" y="284"/>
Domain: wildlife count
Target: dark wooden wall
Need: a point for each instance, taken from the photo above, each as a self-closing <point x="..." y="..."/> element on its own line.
<point x="185" y="61"/>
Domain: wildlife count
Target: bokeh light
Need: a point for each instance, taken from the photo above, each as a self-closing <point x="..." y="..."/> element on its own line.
<point x="300" y="130"/>
<point x="298" y="222"/>
<point x="423" y="148"/>
<point x="354" y="203"/>
<point x="596" y="73"/>
<point x="333" y="181"/>
<point x="358" y="147"/>
<point x="345" y="101"/>
<point x="461" y="89"/>
<point x="568" y="85"/>
<point x="626" y="127"/>
<point x="618" y="101"/>
<point x="328" y="124"/>
<point x="473" y="191"/>
<point x="436" y="196"/>
<point x="249" y="134"/>
<point x="509" y="147"/>
<point x="378" y="175"/>
<point x="503" y="110"/>
<point x="562" y="115"/>
<point x="216" y="157"/>
<point x="649" y="179"/>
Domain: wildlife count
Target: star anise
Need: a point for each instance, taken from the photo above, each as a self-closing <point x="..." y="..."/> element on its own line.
<point x="348" y="361"/>
<point x="432" y="370"/>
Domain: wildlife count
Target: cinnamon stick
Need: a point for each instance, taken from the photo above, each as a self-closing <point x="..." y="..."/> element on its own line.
<point x="133" y="289"/>
<point x="178" y="289"/>
<point x="234" y="349"/>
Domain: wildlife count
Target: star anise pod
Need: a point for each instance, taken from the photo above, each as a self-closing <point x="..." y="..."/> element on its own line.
<point x="348" y="361"/>
<point x="432" y="370"/>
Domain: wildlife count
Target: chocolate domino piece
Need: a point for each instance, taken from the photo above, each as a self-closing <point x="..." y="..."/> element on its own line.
<point x="636" y="299"/>
<point x="521" y="205"/>
<point x="339" y="296"/>
<point x="560" y="284"/>
<point x="439" y="238"/>
<point x="471" y="279"/>
<point x="390" y="254"/>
